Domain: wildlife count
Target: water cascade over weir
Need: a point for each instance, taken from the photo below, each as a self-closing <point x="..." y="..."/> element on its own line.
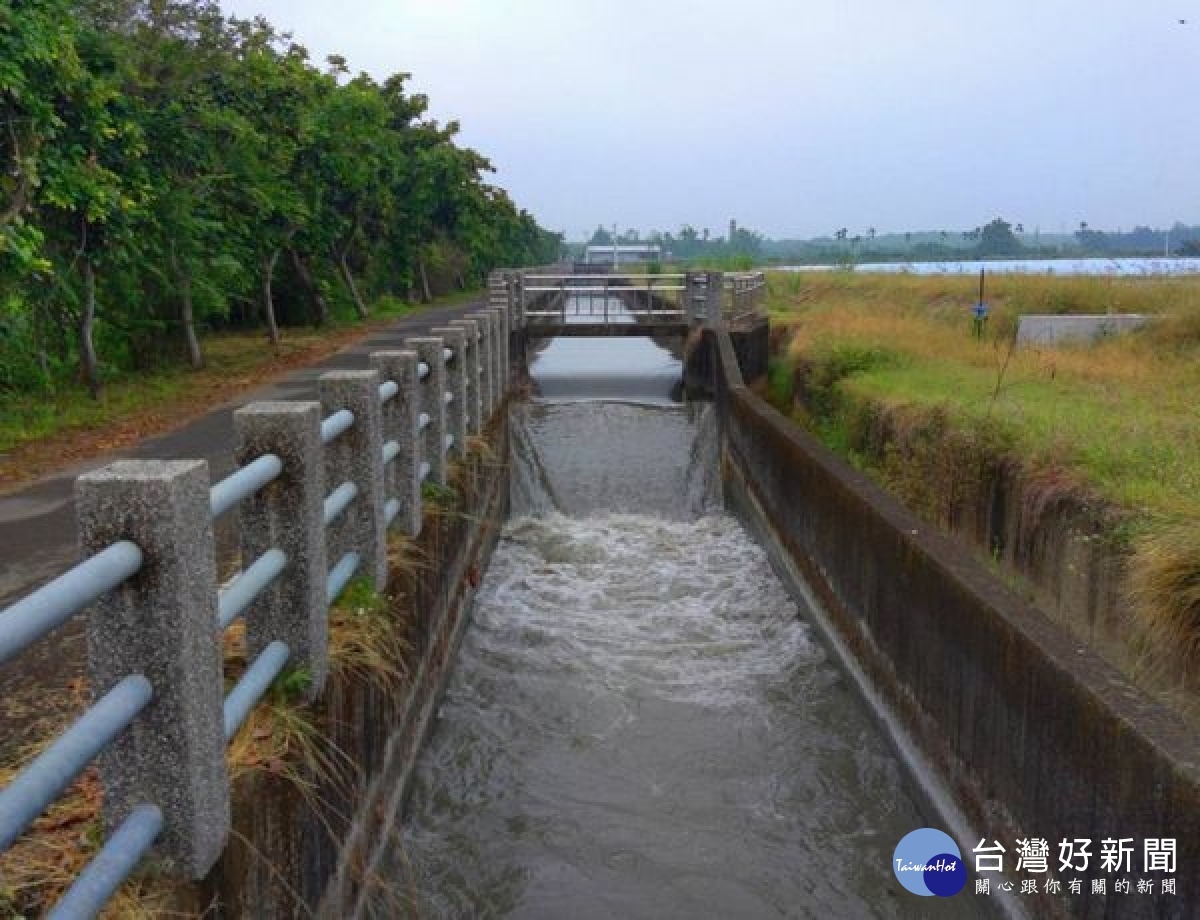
<point x="641" y="723"/>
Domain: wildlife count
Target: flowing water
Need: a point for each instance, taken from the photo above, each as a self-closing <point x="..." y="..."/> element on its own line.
<point x="640" y="722"/>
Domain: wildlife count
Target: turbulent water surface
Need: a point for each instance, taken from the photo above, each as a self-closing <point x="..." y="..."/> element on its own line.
<point x="639" y="723"/>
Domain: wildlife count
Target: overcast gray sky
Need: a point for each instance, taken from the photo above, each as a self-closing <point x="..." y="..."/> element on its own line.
<point x="797" y="118"/>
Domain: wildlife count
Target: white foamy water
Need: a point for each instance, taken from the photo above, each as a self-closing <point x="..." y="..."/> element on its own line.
<point x="640" y="722"/>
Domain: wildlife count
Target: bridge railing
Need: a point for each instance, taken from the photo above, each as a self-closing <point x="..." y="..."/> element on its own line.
<point x="683" y="296"/>
<point x="604" y="297"/>
<point x="747" y="292"/>
<point x="317" y="481"/>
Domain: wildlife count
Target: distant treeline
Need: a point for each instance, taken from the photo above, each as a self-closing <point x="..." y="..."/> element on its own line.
<point x="996" y="239"/>
<point x="167" y="169"/>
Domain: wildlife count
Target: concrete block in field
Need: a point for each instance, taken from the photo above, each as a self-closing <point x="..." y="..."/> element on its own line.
<point x="161" y="624"/>
<point x="1064" y="329"/>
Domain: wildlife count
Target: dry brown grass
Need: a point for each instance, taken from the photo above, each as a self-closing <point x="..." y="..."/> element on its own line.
<point x="1165" y="590"/>
<point x="38" y="869"/>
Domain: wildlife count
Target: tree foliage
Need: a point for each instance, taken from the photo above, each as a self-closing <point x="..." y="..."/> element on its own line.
<point x="996" y="238"/>
<point x="167" y="169"/>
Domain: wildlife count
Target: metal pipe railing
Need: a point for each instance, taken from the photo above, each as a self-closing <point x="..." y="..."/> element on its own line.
<point x="252" y="686"/>
<point x="243" y="483"/>
<point x="44" y="780"/>
<point x="240" y="593"/>
<point x="340" y="576"/>
<point x="336" y="425"/>
<point x="51" y="605"/>
<point x="107" y="871"/>
<point x="339" y="500"/>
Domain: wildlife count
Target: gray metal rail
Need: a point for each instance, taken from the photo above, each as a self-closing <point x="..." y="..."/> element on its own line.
<point x="47" y="608"/>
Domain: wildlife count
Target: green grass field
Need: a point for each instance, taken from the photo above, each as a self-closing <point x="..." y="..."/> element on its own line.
<point x="1118" y="421"/>
<point x="1123" y="415"/>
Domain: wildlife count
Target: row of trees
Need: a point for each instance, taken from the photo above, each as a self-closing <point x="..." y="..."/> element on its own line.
<point x="166" y="168"/>
<point x="689" y="243"/>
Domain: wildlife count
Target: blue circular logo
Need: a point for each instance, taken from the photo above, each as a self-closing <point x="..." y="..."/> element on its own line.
<point x="928" y="862"/>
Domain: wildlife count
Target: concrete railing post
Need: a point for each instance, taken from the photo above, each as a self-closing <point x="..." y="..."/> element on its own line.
<point x="162" y="625"/>
<point x="500" y="358"/>
<point x="432" y="405"/>
<point x="516" y="298"/>
<point x="288" y="514"/>
<point x="401" y="477"/>
<point x="714" y="297"/>
<point x="356" y="456"/>
<point x="693" y="295"/>
<point x="456" y="389"/>
<point x="472" y="370"/>
<point x="487" y="369"/>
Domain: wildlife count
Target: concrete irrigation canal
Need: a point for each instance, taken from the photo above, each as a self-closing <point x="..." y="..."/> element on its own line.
<point x="641" y="723"/>
<point x="546" y="613"/>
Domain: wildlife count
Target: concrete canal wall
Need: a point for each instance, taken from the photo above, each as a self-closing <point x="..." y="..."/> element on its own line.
<point x="1035" y="735"/>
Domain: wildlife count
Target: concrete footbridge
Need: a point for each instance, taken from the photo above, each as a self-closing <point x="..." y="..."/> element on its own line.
<point x="627" y="304"/>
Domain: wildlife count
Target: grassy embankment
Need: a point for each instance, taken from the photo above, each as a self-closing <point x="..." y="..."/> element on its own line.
<point x="1119" y="421"/>
<point x="43" y="431"/>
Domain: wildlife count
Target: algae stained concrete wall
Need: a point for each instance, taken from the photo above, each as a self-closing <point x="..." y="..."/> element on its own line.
<point x="1035" y="735"/>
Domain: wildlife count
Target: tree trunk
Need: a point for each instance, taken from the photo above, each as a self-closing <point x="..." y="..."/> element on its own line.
<point x="424" y="280"/>
<point x="187" y="314"/>
<point x="306" y="277"/>
<point x="89" y="365"/>
<point x="195" y="355"/>
<point x="269" y="299"/>
<point x="359" y="307"/>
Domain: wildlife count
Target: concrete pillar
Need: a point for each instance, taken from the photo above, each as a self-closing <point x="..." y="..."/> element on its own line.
<point x="473" y="373"/>
<point x="693" y="297"/>
<point x="499" y="377"/>
<point x="401" y="476"/>
<point x="288" y="514"/>
<point x="356" y="456"/>
<point x="500" y="358"/>
<point x="516" y="299"/>
<point x="487" y="370"/>
<point x="432" y="405"/>
<point x="714" y="297"/>
<point x="456" y="388"/>
<point x="162" y="624"/>
<point x="498" y="288"/>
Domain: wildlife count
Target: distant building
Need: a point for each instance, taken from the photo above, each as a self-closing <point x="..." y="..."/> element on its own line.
<point x="622" y="253"/>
